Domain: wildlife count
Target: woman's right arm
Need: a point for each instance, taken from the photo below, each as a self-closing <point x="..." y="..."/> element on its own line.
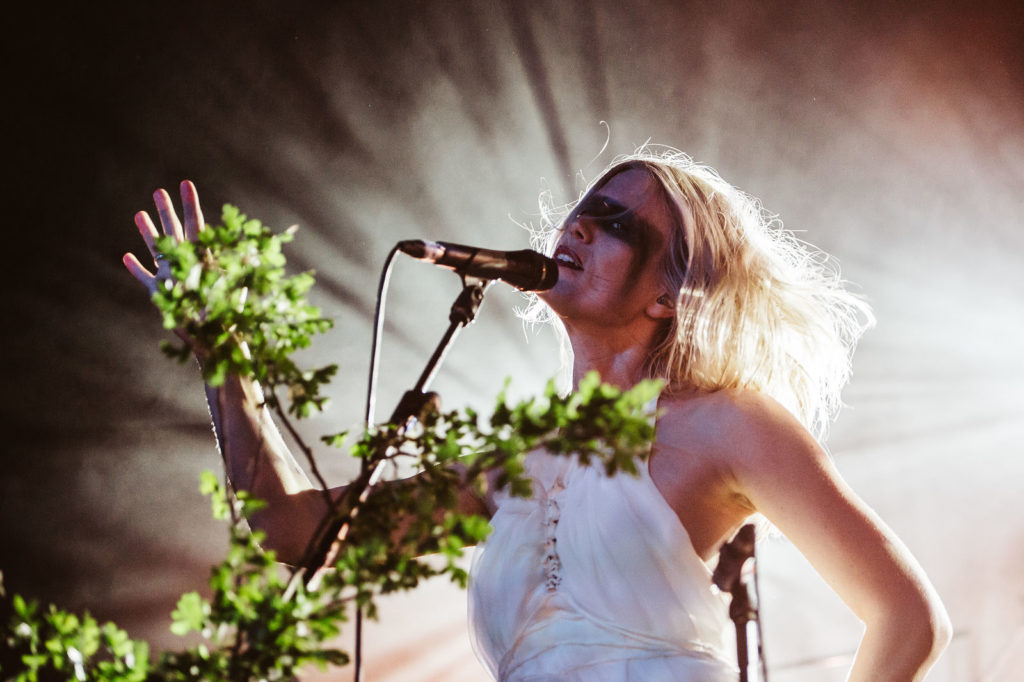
<point x="258" y="461"/>
<point x="256" y="456"/>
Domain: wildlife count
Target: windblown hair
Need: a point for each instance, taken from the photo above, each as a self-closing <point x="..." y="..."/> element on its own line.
<point x="756" y="308"/>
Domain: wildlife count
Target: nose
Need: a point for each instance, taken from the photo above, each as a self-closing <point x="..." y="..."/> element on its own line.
<point x="580" y="230"/>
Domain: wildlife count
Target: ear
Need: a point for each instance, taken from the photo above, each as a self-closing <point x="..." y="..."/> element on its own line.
<point x="661" y="309"/>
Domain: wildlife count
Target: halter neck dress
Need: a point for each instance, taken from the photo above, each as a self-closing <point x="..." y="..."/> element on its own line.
<point x="594" y="579"/>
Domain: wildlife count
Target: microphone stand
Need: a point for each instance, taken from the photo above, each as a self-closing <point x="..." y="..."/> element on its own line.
<point x="463" y="312"/>
<point x="728" y="576"/>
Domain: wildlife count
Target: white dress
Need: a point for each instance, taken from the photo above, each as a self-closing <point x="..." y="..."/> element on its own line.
<point x="594" y="579"/>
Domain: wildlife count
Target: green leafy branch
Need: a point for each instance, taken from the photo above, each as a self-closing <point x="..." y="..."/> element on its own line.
<point x="52" y="643"/>
<point x="230" y="299"/>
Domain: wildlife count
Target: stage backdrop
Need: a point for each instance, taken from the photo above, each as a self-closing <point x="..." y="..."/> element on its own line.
<point x="892" y="138"/>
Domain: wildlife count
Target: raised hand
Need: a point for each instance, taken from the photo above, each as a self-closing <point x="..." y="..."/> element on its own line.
<point x="171" y="226"/>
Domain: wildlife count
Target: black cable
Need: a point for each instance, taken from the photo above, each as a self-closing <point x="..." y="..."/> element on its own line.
<point x="371" y="401"/>
<point x="378" y="326"/>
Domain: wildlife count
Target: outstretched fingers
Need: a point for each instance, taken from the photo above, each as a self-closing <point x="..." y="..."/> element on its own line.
<point x="193" y="211"/>
<point x="148" y="231"/>
<point x="168" y="218"/>
<point x="138" y="270"/>
<point x="171" y="227"/>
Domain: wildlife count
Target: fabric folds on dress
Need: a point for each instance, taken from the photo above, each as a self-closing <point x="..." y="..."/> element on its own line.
<point x="594" y="579"/>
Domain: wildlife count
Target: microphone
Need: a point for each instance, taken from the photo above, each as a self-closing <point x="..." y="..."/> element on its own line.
<point x="526" y="270"/>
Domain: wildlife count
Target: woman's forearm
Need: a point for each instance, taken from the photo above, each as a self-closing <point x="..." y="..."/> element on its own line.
<point x="258" y="461"/>
<point x="903" y="645"/>
<point x="255" y="455"/>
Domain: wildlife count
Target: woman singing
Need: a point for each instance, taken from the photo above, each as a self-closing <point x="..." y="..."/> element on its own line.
<point x="665" y="271"/>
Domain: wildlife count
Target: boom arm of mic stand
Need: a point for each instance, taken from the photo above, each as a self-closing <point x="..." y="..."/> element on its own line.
<point x="463" y="312"/>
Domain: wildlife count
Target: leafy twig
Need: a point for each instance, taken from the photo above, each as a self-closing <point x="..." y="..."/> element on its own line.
<point x="229" y="295"/>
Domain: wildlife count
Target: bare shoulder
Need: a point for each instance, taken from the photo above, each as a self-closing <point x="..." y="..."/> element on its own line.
<point x="748" y="440"/>
<point x="726" y="408"/>
<point x="703" y="456"/>
<point x="732" y="423"/>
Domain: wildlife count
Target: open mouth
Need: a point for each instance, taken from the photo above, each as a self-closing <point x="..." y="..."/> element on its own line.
<point x="565" y="256"/>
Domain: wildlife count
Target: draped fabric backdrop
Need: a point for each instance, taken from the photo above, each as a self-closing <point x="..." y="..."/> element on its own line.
<point x="889" y="134"/>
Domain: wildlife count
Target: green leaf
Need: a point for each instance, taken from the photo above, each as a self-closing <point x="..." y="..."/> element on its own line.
<point x="190" y="614"/>
<point x="209" y="483"/>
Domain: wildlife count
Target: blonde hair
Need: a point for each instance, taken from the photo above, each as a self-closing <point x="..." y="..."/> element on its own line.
<point x="756" y="308"/>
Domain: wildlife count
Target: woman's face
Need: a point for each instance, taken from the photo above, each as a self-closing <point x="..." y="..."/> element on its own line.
<point x="610" y="253"/>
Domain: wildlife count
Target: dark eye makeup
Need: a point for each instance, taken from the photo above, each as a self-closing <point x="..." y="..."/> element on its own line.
<point x="612" y="217"/>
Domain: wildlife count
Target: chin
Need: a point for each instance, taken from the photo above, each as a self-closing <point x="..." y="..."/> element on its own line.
<point x="556" y="297"/>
